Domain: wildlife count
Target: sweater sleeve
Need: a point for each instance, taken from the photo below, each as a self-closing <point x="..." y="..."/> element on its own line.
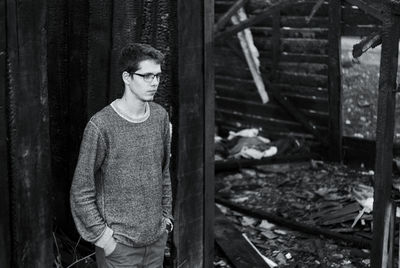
<point x="88" y="220"/>
<point x="167" y="192"/>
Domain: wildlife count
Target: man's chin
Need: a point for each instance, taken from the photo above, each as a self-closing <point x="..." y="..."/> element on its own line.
<point x="150" y="98"/>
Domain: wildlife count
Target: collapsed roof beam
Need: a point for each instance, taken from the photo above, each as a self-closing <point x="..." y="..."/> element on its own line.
<point x="314" y="10"/>
<point x="366" y="43"/>
<point x="256" y="19"/>
<point x="370" y="7"/>
<point x="227" y="16"/>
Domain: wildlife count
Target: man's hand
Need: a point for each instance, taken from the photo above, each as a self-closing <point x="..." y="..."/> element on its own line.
<point x="110" y="246"/>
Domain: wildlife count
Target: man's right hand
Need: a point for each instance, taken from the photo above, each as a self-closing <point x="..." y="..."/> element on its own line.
<point x="110" y="246"/>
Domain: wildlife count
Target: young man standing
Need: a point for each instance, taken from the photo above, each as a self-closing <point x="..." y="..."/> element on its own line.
<point x="121" y="190"/>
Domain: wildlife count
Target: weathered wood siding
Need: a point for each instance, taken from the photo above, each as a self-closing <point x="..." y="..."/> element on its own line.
<point x="29" y="140"/>
<point x="296" y="57"/>
<point x="62" y="69"/>
<point x="298" y="60"/>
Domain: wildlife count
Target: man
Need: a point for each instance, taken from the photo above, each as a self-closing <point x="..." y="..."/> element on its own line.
<point x="121" y="190"/>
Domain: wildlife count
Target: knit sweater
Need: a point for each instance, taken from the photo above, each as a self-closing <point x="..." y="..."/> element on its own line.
<point x="122" y="182"/>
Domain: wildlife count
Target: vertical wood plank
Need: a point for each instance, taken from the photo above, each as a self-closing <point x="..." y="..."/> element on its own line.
<point x="99" y="47"/>
<point x="78" y="12"/>
<point x="189" y="204"/>
<point x="29" y="133"/>
<point x="57" y="71"/>
<point x="334" y="83"/>
<point x="384" y="136"/>
<point x="209" y="132"/>
<point x="276" y="42"/>
<point x="5" y="227"/>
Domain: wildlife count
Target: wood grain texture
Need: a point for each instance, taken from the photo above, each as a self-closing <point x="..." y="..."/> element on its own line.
<point x="233" y="244"/>
<point x="29" y="134"/>
<point x="189" y="238"/>
<point x="334" y="83"/>
<point x="5" y="225"/>
<point x="126" y="25"/>
<point x="270" y="110"/>
<point x="99" y="47"/>
<point x="209" y="132"/>
<point x="384" y="138"/>
<point x="58" y="90"/>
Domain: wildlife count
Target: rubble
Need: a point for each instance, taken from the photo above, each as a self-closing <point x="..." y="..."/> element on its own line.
<point x="331" y="197"/>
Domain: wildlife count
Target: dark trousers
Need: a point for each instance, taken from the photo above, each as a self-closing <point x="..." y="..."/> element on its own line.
<point x="151" y="256"/>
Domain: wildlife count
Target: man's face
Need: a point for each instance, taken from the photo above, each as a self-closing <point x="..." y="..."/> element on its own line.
<point x="142" y="89"/>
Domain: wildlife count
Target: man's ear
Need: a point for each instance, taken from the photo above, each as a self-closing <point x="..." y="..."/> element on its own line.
<point x="126" y="77"/>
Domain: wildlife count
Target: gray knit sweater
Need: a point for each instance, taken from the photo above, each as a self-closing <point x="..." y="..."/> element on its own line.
<point x="121" y="181"/>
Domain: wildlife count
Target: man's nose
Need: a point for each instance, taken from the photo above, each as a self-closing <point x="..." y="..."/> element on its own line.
<point x="155" y="81"/>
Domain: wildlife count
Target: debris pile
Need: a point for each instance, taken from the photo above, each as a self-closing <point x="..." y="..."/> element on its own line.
<point x="316" y="194"/>
<point x="247" y="143"/>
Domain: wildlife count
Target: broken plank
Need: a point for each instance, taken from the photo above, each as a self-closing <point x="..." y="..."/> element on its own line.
<point x="292" y="224"/>
<point x="256" y="19"/>
<point x="223" y="20"/>
<point x="232" y="243"/>
<point x="225" y="165"/>
<point x="370" y="7"/>
<point x="314" y="10"/>
<point x="366" y="43"/>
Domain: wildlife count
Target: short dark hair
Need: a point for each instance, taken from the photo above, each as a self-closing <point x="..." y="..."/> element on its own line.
<point x="132" y="54"/>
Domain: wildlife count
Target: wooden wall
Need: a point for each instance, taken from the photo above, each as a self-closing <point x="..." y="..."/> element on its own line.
<point x="356" y="22"/>
<point x="28" y="128"/>
<point x="62" y="69"/>
<point x="300" y="74"/>
<point x="302" y="62"/>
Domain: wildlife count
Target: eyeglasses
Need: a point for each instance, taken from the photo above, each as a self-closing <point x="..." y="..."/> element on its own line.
<point x="149" y="77"/>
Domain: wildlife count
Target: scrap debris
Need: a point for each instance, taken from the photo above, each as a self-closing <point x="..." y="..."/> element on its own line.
<point x="248" y="144"/>
<point x="328" y="196"/>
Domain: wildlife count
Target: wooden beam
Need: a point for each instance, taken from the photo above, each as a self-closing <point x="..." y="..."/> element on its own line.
<point x="257" y="18"/>
<point x="232" y="243"/>
<point x="334" y="83"/>
<point x="209" y="132"/>
<point x="5" y="224"/>
<point x="224" y="19"/>
<point x="228" y="165"/>
<point x="370" y="7"/>
<point x="29" y="134"/>
<point x="190" y="183"/>
<point x="314" y="10"/>
<point x="294" y="225"/>
<point x="366" y="43"/>
<point x="384" y="137"/>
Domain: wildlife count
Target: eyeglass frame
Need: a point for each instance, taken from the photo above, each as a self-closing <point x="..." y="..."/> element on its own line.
<point x="157" y="76"/>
